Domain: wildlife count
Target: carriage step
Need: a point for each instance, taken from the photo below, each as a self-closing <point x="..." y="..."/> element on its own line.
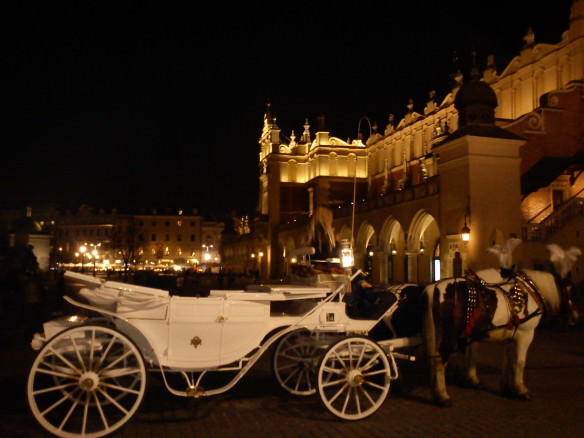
<point x="404" y="356"/>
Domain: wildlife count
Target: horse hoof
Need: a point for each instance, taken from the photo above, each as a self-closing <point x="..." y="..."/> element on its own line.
<point x="524" y="397"/>
<point x="444" y="403"/>
<point x="470" y="384"/>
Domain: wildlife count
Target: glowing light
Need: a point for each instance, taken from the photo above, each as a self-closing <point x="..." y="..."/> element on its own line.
<point x="261" y="254"/>
<point x="347" y="258"/>
<point x="293" y="260"/>
<point x="465" y="233"/>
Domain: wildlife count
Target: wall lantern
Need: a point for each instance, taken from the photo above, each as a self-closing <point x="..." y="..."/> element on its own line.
<point x="465" y="232"/>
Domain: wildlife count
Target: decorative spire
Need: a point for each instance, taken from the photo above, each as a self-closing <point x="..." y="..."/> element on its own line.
<point x="474" y="72"/>
<point x="410" y="105"/>
<point x="292" y="139"/>
<point x="390" y="127"/>
<point x="306" y="134"/>
<point x="431" y="105"/>
<point x="456" y="76"/>
<point x="529" y="38"/>
<point x="268" y="116"/>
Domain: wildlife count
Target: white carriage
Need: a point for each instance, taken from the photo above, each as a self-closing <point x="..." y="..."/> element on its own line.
<point x="90" y="374"/>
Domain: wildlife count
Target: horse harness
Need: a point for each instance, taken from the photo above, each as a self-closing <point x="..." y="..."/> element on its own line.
<point x="516" y="298"/>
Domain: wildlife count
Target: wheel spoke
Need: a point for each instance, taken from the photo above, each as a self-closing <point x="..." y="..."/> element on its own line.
<point x="53" y="388"/>
<point x="106" y="351"/>
<point x="334" y="383"/>
<point x="99" y="408"/>
<point x="85" y="408"/>
<point x="333" y="370"/>
<point x="290" y="375"/>
<point x="363" y="347"/>
<point x="79" y="358"/>
<point x="374" y="373"/>
<point x="287" y="366"/>
<point x="120" y="372"/>
<point x="91" y="347"/>
<point x="73" y="406"/>
<point x="340" y="359"/>
<point x="113" y="401"/>
<point x="371" y="362"/>
<point x="115" y="362"/>
<point x="345" y="404"/>
<point x="57" y="374"/>
<point x="297" y="358"/>
<point x="120" y="388"/>
<point x="340" y="391"/>
<point x="69" y="364"/>
<point x="54" y="405"/>
<point x="357" y="400"/>
<point x="375" y="385"/>
<point x="367" y="395"/>
<point x="308" y="380"/>
<point x="298" y="380"/>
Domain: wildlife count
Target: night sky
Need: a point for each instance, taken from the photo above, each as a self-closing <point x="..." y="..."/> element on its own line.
<point x="163" y="106"/>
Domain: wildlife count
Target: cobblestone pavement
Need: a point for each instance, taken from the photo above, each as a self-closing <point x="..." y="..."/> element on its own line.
<point x="257" y="407"/>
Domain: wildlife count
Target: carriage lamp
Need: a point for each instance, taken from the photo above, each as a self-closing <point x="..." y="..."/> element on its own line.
<point x="347" y="259"/>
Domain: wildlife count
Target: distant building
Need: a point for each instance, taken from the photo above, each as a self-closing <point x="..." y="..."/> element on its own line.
<point x="113" y="239"/>
<point x="501" y="155"/>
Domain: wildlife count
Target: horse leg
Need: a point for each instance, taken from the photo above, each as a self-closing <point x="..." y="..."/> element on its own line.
<point x="438" y="375"/>
<point x="515" y="359"/>
<point x="436" y="363"/>
<point x="471" y="377"/>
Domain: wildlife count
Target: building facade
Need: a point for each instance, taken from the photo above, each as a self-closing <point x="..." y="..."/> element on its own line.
<point x="501" y="155"/>
<point x="157" y="239"/>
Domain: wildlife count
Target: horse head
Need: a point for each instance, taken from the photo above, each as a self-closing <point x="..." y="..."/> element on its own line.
<point x="563" y="261"/>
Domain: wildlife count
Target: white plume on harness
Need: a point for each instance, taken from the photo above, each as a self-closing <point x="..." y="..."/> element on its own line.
<point x="505" y="252"/>
<point x="563" y="259"/>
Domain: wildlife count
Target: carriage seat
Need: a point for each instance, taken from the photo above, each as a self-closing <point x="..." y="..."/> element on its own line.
<point x="369" y="303"/>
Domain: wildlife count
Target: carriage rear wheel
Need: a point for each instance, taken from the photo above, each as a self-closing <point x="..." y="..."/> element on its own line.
<point x="87" y="381"/>
<point x="354" y="378"/>
<point x="295" y="359"/>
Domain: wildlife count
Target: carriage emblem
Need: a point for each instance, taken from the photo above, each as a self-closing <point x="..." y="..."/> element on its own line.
<point x="196" y="341"/>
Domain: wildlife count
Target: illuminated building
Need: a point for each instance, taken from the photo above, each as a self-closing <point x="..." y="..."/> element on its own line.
<point x="165" y="239"/>
<point x="500" y="155"/>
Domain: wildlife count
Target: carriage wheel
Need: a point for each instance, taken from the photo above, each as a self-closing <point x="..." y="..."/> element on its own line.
<point x="295" y="360"/>
<point x="87" y="381"/>
<point x="354" y="378"/>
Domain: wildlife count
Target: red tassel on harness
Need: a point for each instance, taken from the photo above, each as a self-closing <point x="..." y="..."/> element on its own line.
<point x="471" y="322"/>
<point x="455" y="312"/>
<point x="514" y="322"/>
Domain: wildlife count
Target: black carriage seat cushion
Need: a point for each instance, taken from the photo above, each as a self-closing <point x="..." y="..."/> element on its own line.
<point x="371" y="303"/>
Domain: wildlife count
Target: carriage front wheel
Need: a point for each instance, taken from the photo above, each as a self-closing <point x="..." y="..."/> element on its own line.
<point x="86" y="381"/>
<point x="354" y="378"/>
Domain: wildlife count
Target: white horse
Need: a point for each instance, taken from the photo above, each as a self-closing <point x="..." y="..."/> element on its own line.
<point x="493" y="305"/>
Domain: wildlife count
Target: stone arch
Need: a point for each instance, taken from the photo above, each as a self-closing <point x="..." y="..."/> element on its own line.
<point x="391" y="255"/>
<point x="345" y="233"/>
<point x="423" y="243"/>
<point x="366" y="238"/>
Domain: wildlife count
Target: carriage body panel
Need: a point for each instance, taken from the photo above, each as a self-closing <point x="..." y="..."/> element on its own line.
<point x="199" y="333"/>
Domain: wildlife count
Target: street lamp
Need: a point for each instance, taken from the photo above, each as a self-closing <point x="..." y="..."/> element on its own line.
<point x="82" y="251"/>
